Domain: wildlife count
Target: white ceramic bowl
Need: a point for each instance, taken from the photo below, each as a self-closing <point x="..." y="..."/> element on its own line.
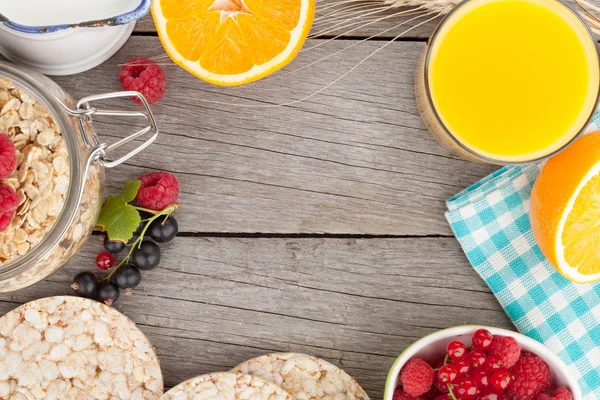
<point x="63" y="52"/>
<point x="67" y="36"/>
<point x="431" y="347"/>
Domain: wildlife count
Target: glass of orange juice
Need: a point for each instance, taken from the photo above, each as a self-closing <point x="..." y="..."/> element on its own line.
<point x="509" y="81"/>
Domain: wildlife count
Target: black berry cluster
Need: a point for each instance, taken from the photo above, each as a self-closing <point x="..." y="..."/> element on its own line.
<point x="144" y="255"/>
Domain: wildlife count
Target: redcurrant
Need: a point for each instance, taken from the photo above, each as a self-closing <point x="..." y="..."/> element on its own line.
<point x="105" y="260"/>
<point x="466" y="389"/>
<point x="448" y="374"/>
<point x="462" y="366"/>
<point x="487" y="395"/>
<point x="481" y="378"/>
<point x="493" y="363"/>
<point x="500" y="379"/>
<point x="456" y="349"/>
<point x="476" y="358"/>
<point x="482" y="339"/>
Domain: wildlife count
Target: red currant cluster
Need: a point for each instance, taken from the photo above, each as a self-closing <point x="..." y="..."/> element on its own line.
<point x="492" y="368"/>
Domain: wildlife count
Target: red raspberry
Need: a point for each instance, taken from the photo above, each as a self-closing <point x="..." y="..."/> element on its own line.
<point x="506" y="349"/>
<point x="416" y="377"/>
<point x="144" y="76"/>
<point x="9" y="201"/>
<point x="158" y="190"/>
<point x="443" y="397"/>
<point x="399" y="394"/>
<point x="8" y="156"/>
<point x="560" y="394"/>
<point x="531" y="377"/>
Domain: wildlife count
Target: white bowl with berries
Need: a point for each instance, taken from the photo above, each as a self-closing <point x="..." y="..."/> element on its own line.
<point x="479" y="363"/>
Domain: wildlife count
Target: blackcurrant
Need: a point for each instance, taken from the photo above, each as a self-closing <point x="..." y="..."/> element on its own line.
<point x="142" y="224"/>
<point x="133" y="239"/>
<point x="85" y="284"/>
<point x="127" y="277"/>
<point x="147" y="256"/>
<point x="113" y="246"/>
<point x="108" y="293"/>
<point x="163" y="230"/>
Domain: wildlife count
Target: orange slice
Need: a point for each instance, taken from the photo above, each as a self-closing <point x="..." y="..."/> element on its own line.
<point x="565" y="210"/>
<point x="232" y="42"/>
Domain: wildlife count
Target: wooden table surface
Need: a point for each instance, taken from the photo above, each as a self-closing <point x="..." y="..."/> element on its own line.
<point x="316" y="227"/>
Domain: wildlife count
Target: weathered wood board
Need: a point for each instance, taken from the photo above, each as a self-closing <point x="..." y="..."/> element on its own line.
<point x="316" y="226"/>
<point x="354" y="159"/>
<point x="214" y="302"/>
<point x="359" y="19"/>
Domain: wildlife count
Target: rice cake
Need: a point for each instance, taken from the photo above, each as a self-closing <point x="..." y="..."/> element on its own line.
<point x="304" y="377"/>
<point x="73" y="348"/>
<point x="226" y="386"/>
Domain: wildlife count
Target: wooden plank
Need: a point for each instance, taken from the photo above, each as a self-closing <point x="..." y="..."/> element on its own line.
<point x="347" y="23"/>
<point x="332" y="21"/>
<point x="354" y="159"/>
<point x="215" y="302"/>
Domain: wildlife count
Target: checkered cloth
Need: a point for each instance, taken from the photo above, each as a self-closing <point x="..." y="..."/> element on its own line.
<point x="491" y="221"/>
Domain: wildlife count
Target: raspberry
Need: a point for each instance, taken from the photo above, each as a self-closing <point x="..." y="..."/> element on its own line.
<point x="442" y="397"/>
<point x="506" y="349"/>
<point x="399" y="394"/>
<point x="144" y="76"/>
<point x="9" y="201"/>
<point x="560" y="394"/>
<point x="158" y="190"/>
<point x="416" y="377"/>
<point x="8" y="156"/>
<point x="531" y="377"/>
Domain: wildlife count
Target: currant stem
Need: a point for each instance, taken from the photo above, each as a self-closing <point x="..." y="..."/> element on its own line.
<point x="451" y="393"/>
<point x="167" y="211"/>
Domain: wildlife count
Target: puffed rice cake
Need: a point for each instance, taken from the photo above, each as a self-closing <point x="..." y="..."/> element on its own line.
<point x="71" y="348"/>
<point x="304" y="377"/>
<point x="226" y="386"/>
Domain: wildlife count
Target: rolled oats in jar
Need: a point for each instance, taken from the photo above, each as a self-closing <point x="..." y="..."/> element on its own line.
<point x="59" y="176"/>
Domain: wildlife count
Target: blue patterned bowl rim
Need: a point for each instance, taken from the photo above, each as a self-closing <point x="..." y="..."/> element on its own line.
<point x="130" y="16"/>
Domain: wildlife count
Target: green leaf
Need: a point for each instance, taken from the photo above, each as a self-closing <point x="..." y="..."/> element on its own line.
<point x="130" y="190"/>
<point x="118" y="218"/>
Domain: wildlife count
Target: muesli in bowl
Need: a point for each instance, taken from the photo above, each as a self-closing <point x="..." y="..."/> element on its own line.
<point x="51" y="196"/>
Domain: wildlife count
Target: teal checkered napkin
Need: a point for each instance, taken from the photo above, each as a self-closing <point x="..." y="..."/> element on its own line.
<point x="491" y="221"/>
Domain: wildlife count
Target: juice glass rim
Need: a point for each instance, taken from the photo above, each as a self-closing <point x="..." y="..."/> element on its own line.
<point x="472" y="151"/>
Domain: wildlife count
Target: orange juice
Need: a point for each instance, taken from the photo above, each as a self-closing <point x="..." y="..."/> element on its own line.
<point x="510" y="81"/>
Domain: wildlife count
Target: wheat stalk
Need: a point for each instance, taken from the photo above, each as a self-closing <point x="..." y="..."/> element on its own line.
<point x="588" y="10"/>
<point x="440" y="6"/>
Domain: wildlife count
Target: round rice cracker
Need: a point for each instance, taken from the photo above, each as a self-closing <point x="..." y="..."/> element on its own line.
<point x="71" y="348"/>
<point x="304" y="377"/>
<point x="226" y="386"/>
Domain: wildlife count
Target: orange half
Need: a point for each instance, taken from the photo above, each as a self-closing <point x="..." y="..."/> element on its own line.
<point x="565" y="210"/>
<point x="232" y="42"/>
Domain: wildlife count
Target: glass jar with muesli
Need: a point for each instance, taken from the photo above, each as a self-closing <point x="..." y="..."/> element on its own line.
<point x="59" y="176"/>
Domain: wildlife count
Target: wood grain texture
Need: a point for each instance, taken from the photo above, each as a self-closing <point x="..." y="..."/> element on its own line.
<point x="346" y="22"/>
<point x="331" y="21"/>
<point x="354" y="159"/>
<point x="215" y="302"/>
